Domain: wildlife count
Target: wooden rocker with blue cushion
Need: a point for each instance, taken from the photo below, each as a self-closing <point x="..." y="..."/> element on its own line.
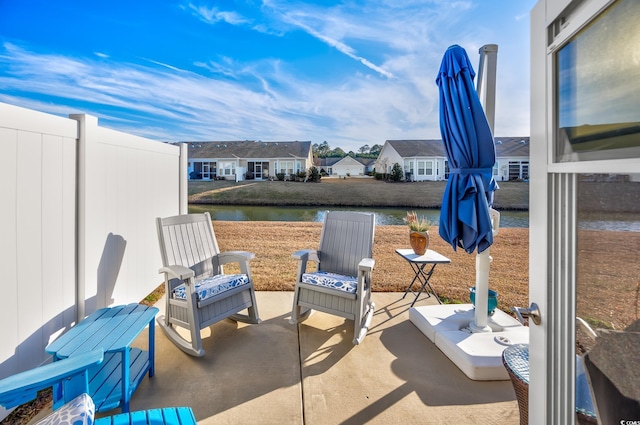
<point x="341" y="284"/>
<point x="71" y="377"/>
<point x="198" y="293"/>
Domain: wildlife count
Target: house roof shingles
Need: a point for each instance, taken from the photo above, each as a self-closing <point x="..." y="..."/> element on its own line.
<point x="249" y="149"/>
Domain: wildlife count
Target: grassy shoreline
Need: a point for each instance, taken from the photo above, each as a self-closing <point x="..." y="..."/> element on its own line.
<point x="593" y="196"/>
<point x="350" y="192"/>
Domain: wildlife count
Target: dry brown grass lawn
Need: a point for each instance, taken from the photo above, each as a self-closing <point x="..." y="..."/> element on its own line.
<point x="274" y="270"/>
<point x="607" y="267"/>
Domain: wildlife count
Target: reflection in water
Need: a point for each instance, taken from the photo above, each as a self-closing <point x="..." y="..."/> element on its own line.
<point x="621" y="222"/>
<point x="384" y="216"/>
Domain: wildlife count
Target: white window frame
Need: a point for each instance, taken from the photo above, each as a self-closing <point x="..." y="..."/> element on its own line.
<point x="552" y="224"/>
<point x="227" y="168"/>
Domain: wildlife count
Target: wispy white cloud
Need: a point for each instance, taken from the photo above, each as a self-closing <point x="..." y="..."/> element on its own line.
<point x="213" y="15"/>
<point x="343" y="48"/>
<point x="327" y="25"/>
<point x="281" y="107"/>
<point x="222" y="97"/>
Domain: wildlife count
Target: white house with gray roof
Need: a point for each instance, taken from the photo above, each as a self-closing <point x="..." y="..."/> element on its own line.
<point x="344" y="166"/>
<point x="248" y="159"/>
<point x="426" y="160"/>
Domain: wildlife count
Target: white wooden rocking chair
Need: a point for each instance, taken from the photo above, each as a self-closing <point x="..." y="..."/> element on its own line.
<point x="342" y="283"/>
<point x="198" y="292"/>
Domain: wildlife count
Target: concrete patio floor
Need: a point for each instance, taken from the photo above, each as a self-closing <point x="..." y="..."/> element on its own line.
<point x="278" y="373"/>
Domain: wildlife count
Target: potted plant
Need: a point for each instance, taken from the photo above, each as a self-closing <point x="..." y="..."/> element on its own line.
<point x="418" y="232"/>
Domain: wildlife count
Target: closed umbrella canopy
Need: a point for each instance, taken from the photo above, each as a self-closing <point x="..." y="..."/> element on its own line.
<point x="467" y="138"/>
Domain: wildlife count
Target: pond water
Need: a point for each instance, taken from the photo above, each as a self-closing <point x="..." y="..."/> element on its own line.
<point x="384" y="216"/>
<point x="622" y="222"/>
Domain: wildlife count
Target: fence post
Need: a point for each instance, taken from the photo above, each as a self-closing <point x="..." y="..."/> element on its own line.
<point x="182" y="178"/>
<point x="84" y="121"/>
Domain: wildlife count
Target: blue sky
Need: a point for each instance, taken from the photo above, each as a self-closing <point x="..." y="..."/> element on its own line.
<point x="351" y="73"/>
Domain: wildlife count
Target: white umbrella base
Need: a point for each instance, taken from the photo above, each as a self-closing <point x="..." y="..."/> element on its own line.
<point x="477" y="355"/>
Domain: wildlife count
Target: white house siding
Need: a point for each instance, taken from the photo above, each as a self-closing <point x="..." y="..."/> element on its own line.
<point x="234" y="160"/>
<point x="425" y="160"/>
<point x="387" y="157"/>
<point x="348" y="166"/>
<point x="424" y="169"/>
<point x="229" y="168"/>
<point x="290" y="167"/>
<point x="511" y="168"/>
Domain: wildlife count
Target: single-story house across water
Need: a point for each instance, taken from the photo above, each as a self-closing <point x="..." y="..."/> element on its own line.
<point x="423" y="160"/>
<point x="345" y="166"/>
<point x="248" y="159"/>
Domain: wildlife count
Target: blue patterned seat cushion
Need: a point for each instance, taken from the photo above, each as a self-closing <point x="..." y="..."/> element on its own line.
<point x="79" y="411"/>
<point x="207" y="288"/>
<point x="332" y="280"/>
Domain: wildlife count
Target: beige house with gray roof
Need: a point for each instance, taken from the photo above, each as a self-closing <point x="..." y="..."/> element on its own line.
<point x="248" y="159"/>
<point x="426" y="160"/>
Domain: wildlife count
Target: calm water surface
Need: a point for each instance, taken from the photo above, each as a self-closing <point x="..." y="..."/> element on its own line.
<point x="621" y="222"/>
<point x="384" y="216"/>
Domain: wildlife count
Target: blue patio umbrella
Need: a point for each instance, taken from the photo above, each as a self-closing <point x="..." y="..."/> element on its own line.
<point x="467" y="138"/>
<point x="465" y="218"/>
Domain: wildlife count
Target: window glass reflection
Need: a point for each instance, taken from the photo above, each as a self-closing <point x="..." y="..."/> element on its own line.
<point x="608" y="287"/>
<point x="598" y="88"/>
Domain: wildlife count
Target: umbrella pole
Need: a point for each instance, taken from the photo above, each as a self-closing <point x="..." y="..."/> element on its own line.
<point x="479" y="324"/>
<point x="483" y="259"/>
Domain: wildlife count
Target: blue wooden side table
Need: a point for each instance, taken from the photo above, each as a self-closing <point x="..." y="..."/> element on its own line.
<point x="113" y="329"/>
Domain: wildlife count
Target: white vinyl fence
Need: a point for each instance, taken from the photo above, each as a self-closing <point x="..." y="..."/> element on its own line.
<point x="77" y="224"/>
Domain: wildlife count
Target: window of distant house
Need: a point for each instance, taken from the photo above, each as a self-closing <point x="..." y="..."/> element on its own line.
<point x="408" y="165"/>
<point x="518" y="170"/>
<point x="495" y="168"/>
<point x="227" y="168"/>
<point x="421" y="167"/>
<point x="429" y="168"/>
<point x="286" y="167"/>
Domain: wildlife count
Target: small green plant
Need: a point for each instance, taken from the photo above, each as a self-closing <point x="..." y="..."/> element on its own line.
<point x="417" y="224"/>
<point x="314" y="174"/>
<point x="396" y="172"/>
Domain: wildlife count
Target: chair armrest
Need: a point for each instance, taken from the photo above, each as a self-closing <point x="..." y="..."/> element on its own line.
<point x="23" y="387"/>
<point x="303" y="256"/>
<point x="177" y="272"/>
<point x="366" y="264"/>
<point x="235" y="256"/>
<point x="306" y="255"/>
